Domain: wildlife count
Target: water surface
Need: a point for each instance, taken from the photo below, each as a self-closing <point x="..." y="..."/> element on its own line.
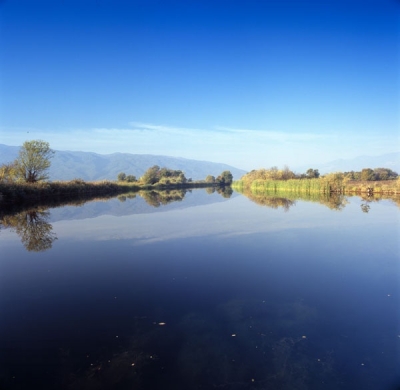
<point x="204" y="292"/>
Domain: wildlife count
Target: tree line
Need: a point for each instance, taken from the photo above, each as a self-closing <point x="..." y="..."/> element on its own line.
<point x="366" y="174"/>
<point x="33" y="163"/>
<point x="157" y="175"/>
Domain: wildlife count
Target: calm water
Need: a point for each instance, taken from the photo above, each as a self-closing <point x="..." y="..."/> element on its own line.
<point x="205" y="292"/>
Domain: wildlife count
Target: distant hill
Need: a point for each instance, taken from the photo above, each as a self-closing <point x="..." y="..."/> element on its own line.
<point x="389" y="160"/>
<point x="66" y="165"/>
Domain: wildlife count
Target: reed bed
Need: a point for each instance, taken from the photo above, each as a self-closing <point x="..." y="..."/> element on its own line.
<point x="17" y="192"/>
<point x="321" y="185"/>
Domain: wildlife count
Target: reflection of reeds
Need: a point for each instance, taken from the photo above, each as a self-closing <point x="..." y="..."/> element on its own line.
<point x="279" y="198"/>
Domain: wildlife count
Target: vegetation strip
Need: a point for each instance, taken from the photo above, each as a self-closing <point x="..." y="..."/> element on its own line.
<point x="379" y="180"/>
<point x="24" y="180"/>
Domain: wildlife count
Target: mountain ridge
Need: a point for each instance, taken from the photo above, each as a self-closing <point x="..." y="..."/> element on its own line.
<point x="91" y="166"/>
<point x="387" y="160"/>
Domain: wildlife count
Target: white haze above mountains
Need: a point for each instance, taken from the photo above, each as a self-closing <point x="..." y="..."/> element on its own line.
<point x="67" y="165"/>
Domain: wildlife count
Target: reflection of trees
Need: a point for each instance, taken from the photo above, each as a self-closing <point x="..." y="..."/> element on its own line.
<point x="225" y="191"/>
<point x="157" y="198"/>
<point x="365" y="207"/>
<point x="276" y="199"/>
<point x="271" y="201"/>
<point x="32" y="226"/>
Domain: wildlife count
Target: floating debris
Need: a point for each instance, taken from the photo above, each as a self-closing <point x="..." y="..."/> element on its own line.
<point x="161" y="323"/>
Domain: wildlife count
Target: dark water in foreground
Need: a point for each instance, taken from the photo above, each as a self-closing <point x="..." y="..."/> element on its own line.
<point x="207" y="292"/>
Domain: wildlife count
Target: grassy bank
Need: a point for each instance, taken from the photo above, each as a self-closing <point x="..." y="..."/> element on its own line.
<point x="321" y="185"/>
<point x="14" y="193"/>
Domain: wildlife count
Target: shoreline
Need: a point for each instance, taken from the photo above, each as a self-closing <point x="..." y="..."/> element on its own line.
<point x="386" y="187"/>
<point x="14" y="194"/>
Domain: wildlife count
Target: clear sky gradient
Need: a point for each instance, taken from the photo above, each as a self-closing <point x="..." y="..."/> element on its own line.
<point x="249" y="83"/>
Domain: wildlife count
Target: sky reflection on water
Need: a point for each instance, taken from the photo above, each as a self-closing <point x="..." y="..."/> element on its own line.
<point x="251" y="297"/>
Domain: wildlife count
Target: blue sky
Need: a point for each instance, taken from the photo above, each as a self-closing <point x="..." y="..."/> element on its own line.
<point x="249" y="83"/>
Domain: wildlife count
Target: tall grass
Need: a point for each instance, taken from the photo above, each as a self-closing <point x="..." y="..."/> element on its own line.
<point x="17" y="192"/>
<point x="20" y="192"/>
<point x="331" y="183"/>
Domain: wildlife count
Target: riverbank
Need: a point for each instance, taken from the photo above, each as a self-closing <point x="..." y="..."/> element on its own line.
<point x="322" y="185"/>
<point x="16" y="193"/>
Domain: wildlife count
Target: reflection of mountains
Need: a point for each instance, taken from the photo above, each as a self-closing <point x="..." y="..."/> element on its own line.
<point x="143" y="202"/>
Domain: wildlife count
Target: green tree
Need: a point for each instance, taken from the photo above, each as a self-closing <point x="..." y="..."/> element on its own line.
<point x="367" y="174"/>
<point x="210" y="179"/>
<point x="121" y="176"/>
<point x="163" y="176"/>
<point x="33" y="161"/>
<point x="152" y="175"/>
<point x="334" y="180"/>
<point x="8" y="172"/>
<point x="384" y="174"/>
<point x="312" y="173"/>
<point x="130" y="178"/>
<point x="287" y="174"/>
<point x="225" y="178"/>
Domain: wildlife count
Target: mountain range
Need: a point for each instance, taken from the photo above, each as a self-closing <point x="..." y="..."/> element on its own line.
<point x="68" y="165"/>
<point x="388" y="160"/>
